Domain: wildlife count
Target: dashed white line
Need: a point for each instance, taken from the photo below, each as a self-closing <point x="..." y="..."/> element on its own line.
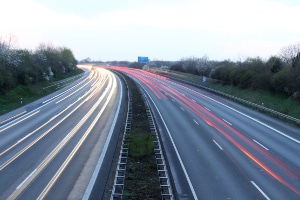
<point x="195" y="121"/>
<point x="173" y="100"/>
<point x="218" y="145"/>
<point x="261" y="145"/>
<point x="13" y="117"/>
<point x="194" y="100"/>
<point x="260" y="190"/>
<point x="207" y="109"/>
<point x="182" y="108"/>
<point x="227" y="122"/>
<point x="245" y="115"/>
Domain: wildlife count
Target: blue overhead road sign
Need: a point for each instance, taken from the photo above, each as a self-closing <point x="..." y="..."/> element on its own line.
<point x="143" y="59"/>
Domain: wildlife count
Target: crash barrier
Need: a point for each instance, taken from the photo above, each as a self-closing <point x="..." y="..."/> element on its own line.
<point x="243" y="101"/>
<point x="118" y="187"/>
<point x="64" y="82"/>
<point x="164" y="179"/>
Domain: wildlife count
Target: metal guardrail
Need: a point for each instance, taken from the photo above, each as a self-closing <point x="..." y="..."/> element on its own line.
<point x="64" y="82"/>
<point x="256" y="106"/>
<point x="118" y="187"/>
<point x="164" y="179"/>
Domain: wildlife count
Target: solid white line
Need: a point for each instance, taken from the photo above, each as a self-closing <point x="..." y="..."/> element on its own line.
<point x="175" y="148"/>
<point x="196" y="122"/>
<point x="26" y="179"/>
<point x="261" y="145"/>
<point x="218" y="145"/>
<point x="76" y="148"/>
<point x="245" y="115"/>
<point x="260" y="190"/>
<point x="227" y="122"/>
<point x="89" y="188"/>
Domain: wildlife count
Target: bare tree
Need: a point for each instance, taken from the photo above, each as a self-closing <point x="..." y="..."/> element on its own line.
<point x="203" y="65"/>
<point x="288" y="54"/>
<point x="7" y="43"/>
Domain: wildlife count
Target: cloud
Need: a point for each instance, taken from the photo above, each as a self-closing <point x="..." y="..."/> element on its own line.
<point x="212" y="27"/>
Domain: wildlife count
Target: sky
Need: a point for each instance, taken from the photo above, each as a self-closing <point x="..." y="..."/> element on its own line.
<point x="166" y="30"/>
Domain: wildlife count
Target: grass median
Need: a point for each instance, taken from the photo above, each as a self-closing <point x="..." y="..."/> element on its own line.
<point x="141" y="179"/>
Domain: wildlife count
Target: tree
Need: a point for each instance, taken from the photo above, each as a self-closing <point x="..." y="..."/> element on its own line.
<point x="203" y="65"/>
<point x="224" y="71"/>
<point x="177" y="67"/>
<point x="288" y="53"/>
<point x="279" y="82"/>
<point x="274" y="64"/>
<point x="67" y="59"/>
<point x="189" y="65"/>
<point x="136" y="65"/>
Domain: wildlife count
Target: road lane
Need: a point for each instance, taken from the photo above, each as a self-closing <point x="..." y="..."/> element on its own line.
<point x="38" y="150"/>
<point x="228" y="151"/>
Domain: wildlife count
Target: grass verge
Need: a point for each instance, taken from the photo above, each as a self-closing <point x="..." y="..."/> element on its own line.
<point x="279" y="103"/>
<point x="22" y="95"/>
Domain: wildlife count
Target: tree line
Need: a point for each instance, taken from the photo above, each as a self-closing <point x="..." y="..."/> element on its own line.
<point x="27" y="67"/>
<point x="279" y="74"/>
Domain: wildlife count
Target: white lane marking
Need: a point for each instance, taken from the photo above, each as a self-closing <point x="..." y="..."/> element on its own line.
<point x="195" y="121"/>
<point x="17" y="115"/>
<point x="261" y="145"/>
<point x="194" y="100"/>
<point x="24" y="118"/>
<point x="182" y="108"/>
<point x="227" y="122"/>
<point x="173" y="100"/>
<point x="29" y="113"/>
<point x="218" y="145"/>
<point x="207" y="109"/>
<point x="245" y="115"/>
<point x="89" y="188"/>
<point x="174" y="146"/>
<point x="260" y="190"/>
<point x="25" y="179"/>
<point x="57" y="149"/>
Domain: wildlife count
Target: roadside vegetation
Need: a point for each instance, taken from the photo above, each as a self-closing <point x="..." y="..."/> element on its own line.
<point x="141" y="179"/>
<point x="278" y="74"/>
<point x="274" y="83"/>
<point x="277" y="102"/>
<point x="24" y="73"/>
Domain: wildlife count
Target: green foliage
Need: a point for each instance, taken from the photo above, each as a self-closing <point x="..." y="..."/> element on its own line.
<point x="140" y="145"/>
<point x="273" y="75"/>
<point x="279" y="74"/>
<point x="275" y="64"/>
<point x="24" y="67"/>
<point x="279" y="82"/>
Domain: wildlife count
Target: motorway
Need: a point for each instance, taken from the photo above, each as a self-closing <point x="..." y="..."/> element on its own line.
<point x="217" y="149"/>
<point x="55" y="148"/>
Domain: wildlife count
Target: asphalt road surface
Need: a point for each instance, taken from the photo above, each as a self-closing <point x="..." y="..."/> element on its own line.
<point x="55" y="147"/>
<point x="218" y="149"/>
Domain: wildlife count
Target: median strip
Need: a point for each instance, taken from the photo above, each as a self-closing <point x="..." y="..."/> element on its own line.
<point x="141" y="172"/>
